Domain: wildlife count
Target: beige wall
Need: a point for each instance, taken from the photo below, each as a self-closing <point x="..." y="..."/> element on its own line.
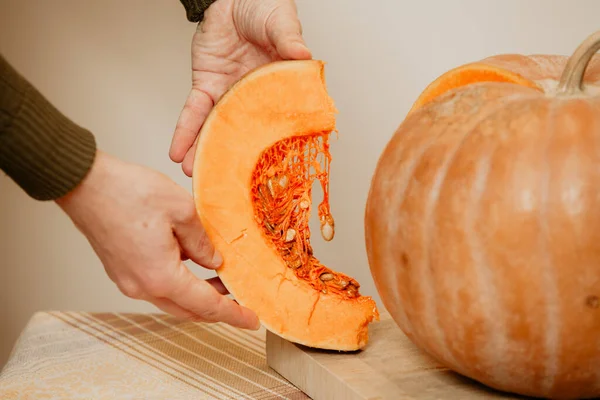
<point x="120" y="68"/>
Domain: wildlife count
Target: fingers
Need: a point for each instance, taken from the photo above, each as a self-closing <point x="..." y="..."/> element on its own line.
<point x="172" y="308"/>
<point x="188" y="162"/>
<point x="193" y="239"/>
<point x="285" y="33"/>
<point x="205" y="302"/>
<point x="169" y="307"/>
<point x="195" y="110"/>
<point x="218" y="285"/>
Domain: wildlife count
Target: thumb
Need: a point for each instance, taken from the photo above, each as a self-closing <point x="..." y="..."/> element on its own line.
<point x="285" y="33"/>
<point x="195" y="243"/>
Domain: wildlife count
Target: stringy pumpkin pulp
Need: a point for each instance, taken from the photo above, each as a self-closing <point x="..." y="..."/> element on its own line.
<point x="281" y="193"/>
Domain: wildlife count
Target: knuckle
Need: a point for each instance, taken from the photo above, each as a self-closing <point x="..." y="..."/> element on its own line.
<point x="188" y="211"/>
<point x="155" y="284"/>
<point x="184" y="209"/>
<point x="212" y="309"/>
<point x="130" y="288"/>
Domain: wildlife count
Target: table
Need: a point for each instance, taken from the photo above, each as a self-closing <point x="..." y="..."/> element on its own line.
<point x="80" y="355"/>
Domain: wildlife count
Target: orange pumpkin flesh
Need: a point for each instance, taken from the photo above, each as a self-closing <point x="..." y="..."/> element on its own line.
<point x="483" y="223"/>
<point x="468" y="74"/>
<point x="258" y="153"/>
<point x="541" y="72"/>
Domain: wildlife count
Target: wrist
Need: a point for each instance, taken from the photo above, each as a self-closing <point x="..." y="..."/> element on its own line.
<point x="91" y="186"/>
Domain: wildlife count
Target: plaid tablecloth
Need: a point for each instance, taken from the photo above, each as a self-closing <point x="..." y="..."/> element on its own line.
<point x="77" y="355"/>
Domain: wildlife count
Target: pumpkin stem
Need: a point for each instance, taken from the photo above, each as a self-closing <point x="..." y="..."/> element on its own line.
<point x="571" y="80"/>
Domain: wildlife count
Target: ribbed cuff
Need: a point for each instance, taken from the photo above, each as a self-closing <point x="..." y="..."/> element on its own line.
<point x="43" y="151"/>
<point x="195" y="9"/>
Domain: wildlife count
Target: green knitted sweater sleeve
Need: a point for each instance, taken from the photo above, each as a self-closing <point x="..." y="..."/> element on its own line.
<point x="44" y="152"/>
<point x="195" y="9"/>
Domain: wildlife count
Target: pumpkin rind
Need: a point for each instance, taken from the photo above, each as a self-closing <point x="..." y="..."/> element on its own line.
<point x="275" y="102"/>
<point x="483" y="227"/>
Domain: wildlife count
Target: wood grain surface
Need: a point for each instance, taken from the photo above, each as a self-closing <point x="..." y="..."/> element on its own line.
<point x="391" y="367"/>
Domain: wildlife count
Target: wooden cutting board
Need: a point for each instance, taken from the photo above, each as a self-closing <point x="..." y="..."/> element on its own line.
<point x="391" y="367"/>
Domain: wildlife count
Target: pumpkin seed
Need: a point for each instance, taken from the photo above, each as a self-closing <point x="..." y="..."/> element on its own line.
<point x="283" y="181"/>
<point x="327" y="231"/>
<point x="270" y="186"/>
<point x="270" y="227"/>
<point x="290" y="234"/>
<point x="326" y="276"/>
<point x="295" y="263"/>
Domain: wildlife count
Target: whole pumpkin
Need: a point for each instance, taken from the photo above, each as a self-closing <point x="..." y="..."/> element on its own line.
<point x="483" y="223"/>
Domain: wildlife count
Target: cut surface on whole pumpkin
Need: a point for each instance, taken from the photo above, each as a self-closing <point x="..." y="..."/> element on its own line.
<point x="538" y="71"/>
<point x="466" y="75"/>
<point x="260" y="150"/>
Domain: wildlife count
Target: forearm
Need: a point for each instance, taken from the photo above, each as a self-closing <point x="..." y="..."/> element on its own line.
<point x="195" y="9"/>
<point x="44" y="152"/>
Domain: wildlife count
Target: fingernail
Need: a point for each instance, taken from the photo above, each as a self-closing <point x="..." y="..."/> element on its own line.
<point x="217" y="259"/>
<point x="297" y="50"/>
<point x="302" y="47"/>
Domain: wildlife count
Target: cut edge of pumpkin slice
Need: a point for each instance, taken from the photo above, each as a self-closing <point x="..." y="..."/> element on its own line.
<point x="468" y="74"/>
<point x="258" y="153"/>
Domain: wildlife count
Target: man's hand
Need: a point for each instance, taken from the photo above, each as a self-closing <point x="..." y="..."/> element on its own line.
<point x="234" y="37"/>
<point x="142" y="225"/>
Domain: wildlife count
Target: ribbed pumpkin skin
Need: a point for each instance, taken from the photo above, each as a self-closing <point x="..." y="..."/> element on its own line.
<point x="483" y="234"/>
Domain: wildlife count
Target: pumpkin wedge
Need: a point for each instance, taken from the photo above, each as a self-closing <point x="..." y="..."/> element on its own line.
<point x="261" y="148"/>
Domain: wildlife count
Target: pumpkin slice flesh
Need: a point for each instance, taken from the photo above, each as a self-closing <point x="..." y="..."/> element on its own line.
<point x="258" y="153"/>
